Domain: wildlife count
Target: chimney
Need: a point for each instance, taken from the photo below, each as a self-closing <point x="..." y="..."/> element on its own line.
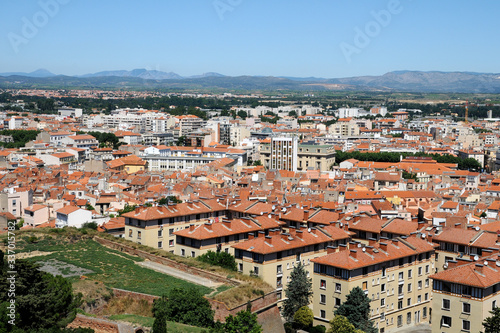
<point x="227" y="223"/>
<point x="314" y="230"/>
<point x="369" y="249"/>
<point x="284" y="237"/>
<point x="356" y="217"/>
<point x="251" y="235"/>
<point x="353" y="253"/>
<point x="137" y="210"/>
<point x="343" y="247"/>
<point x="269" y="239"/>
<point x="306" y="215"/>
<point x="480" y="269"/>
<point x="331" y="249"/>
<point x="298" y="234"/>
<point x="191" y="227"/>
<point x="208" y="226"/>
<point x="372" y="241"/>
<point x="261" y="234"/>
<point x="429" y="237"/>
<point x="353" y="245"/>
<point x="346" y="227"/>
<point x="395" y="242"/>
<point x="452" y="263"/>
<point x="458" y="225"/>
<point x="383" y="246"/>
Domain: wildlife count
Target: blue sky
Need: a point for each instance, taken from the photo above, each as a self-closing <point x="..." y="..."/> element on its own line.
<point x="328" y="38"/>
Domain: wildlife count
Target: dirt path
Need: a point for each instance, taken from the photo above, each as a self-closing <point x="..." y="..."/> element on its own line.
<point x="179" y="274"/>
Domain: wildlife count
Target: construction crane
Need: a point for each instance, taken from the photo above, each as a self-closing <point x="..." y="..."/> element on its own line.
<point x="466" y="111"/>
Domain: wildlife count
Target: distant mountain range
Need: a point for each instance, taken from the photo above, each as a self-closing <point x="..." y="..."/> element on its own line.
<point x="405" y="81"/>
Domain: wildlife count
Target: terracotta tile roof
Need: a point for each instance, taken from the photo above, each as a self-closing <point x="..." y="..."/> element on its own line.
<point x="351" y="259"/>
<point x="282" y="242"/>
<point x="68" y="210"/>
<point x="35" y="207"/>
<point x="471" y="274"/>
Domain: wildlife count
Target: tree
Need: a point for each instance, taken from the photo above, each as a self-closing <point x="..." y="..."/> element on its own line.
<point x="186" y="306"/>
<point x="492" y="324"/>
<point x="160" y="323"/>
<point x="356" y="309"/>
<point x="89" y="206"/>
<point x="244" y="322"/>
<point x="126" y="209"/>
<point x="257" y="163"/>
<point x="221" y="259"/>
<point x="43" y="301"/>
<point x="340" y="324"/>
<point x="298" y="292"/>
<point x="303" y="317"/>
<point x="181" y="141"/>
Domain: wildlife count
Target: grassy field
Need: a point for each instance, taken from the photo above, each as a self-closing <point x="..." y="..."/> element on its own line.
<point x="148" y="322"/>
<point x="113" y="268"/>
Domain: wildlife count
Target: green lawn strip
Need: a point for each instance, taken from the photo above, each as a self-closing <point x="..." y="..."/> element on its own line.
<point x="115" y="269"/>
<point x="148" y="322"/>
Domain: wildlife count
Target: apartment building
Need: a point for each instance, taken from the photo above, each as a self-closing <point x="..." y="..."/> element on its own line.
<point x="395" y="275"/>
<point x="464" y="294"/>
<point x="344" y="127"/>
<point x="189" y="123"/>
<point x="274" y="256"/>
<point x="285" y="153"/>
<point x="155" y="226"/>
<point x="220" y="234"/>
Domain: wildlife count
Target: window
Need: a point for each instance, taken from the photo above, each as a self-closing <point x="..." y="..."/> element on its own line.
<point x="138" y="234"/>
<point x="446" y="321"/>
<point x="160" y="245"/>
<point x="337" y="301"/>
<point x="256" y="270"/>
<point x="465" y="325"/>
<point x="408" y="302"/>
<point x="322" y="313"/>
<point x="420" y="271"/>
<point x="278" y="269"/>
<point x="427" y="268"/>
<point x="400" y="275"/>
<point x="466" y="307"/>
<point x="400" y="289"/>
<point x="322" y="284"/>
<point x="171" y="231"/>
<point x="419" y="284"/>
<point x="426" y="296"/>
<point x="424" y="312"/>
<point x="384" y="271"/>
<point x="365" y="285"/>
<point x="278" y="282"/>
<point x="183" y="252"/>
<point x="193" y="254"/>
<point x="426" y="283"/>
<point x="400" y="320"/>
<point x="322" y="299"/>
<point x="493" y="305"/>
<point x="409" y="287"/>
<point x="419" y="298"/>
<point x="409" y="274"/>
<point x="240" y="267"/>
<point x="408" y="318"/>
<point x="382" y="287"/>
<point x="400" y="304"/>
<point x="160" y="233"/>
<point x="382" y="302"/>
<point x="278" y="295"/>
<point x="130" y="232"/>
<point x="446" y="304"/>
<point x="338" y="287"/>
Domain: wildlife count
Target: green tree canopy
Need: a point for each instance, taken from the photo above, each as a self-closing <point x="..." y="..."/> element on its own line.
<point x="303" y="317"/>
<point x="340" y="324"/>
<point x="43" y="301"/>
<point x="221" y="259"/>
<point x="185" y="306"/>
<point x="356" y="309"/>
<point x="243" y="322"/>
<point x="160" y="323"/>
<point x="492" y="324"/>
<point x="298" y="292"/>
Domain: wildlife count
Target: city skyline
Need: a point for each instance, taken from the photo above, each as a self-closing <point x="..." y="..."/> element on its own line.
<point x="236" y="38"/>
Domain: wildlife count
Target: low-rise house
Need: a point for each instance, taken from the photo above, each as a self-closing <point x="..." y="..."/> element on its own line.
<point x="36" y="215"/>
<point x="72" y="216"/>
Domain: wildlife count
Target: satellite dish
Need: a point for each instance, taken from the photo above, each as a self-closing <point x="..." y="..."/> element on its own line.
<point x="498" y="263"/>
<point x="309" y="230"/>
<point x="423" y="236"/>
<point x="485" y="263"/>
<point x="341" y="224"/>
<point x="445" y="266"/>
<point x="477" y="228"/>
<point x="476" y="257"/>
<point x="269" y="216"/>
<point x="364" y="249"/>
<point x="274" y="207"/>
<point x="359" y="245"/>
<point x="261" y="213"/>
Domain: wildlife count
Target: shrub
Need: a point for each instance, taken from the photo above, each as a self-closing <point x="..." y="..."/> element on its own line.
<point x="221" y="259"/>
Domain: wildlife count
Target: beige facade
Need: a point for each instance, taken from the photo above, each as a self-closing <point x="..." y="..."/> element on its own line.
<point x="395" y="276"/>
